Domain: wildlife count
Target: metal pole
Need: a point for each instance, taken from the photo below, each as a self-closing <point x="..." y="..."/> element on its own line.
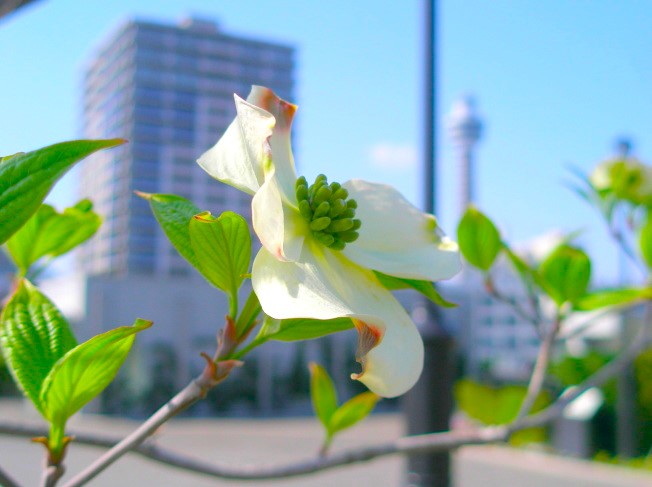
<point x="10" y="6"/>
<point x="430" y="113"/>
<point x="428" y="405"/>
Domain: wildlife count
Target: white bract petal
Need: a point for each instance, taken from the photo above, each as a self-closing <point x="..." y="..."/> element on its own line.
<point x="237" y="158"/>
<point x="324" y="284"/>
<point x="396" y="238"/>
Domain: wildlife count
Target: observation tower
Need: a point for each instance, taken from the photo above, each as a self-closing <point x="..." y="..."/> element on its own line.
<point x="465" y="128"/>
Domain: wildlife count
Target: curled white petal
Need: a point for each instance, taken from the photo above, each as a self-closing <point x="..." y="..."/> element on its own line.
<point x="258" y="137"/>
<point x="397" y="238"/>
<point x="237" y="158"/>
<point x="394" y="365"/>
<point x="324" y="284"/>
<point x="280" y="142"/>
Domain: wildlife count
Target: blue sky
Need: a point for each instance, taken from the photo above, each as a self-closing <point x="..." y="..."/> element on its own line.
<point x="555" y="81"/>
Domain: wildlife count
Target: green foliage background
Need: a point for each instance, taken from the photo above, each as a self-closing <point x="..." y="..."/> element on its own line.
<point x="499" y="405"/>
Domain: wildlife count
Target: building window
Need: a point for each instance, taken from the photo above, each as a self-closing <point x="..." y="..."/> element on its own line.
<point x="141" y="262"/>
<point x="183" y="135"/>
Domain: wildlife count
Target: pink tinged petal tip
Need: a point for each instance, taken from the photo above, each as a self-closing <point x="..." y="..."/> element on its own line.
<point x="278" y="157"/>
<point x="394" y="362"/>
<point x="369" y="336"/>
<point x="283" y="111"/>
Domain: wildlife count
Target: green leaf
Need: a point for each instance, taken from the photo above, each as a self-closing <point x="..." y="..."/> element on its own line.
<point x="301" y="328"/>
<point x="33" y="336"/>
<point x="223" y="249"/>
<point x="645" y="241"/>
<point x="611" y="297"/>
<point x="570" y="371"/>
<point x="495" y="406"/>
<point x="26" y="178"/>
<point x="50" y="234"/>
<point x="219" y="248"/>
<point x="6" y="158"/>
<point x="565" y="274"/>
<point x="323" y="395"/>
<point x="86" y="224"/>
<point x="85" y="371"/>
<point x="353" y="411"/>
<point x="478" y="239"/>
<point x="424" y="287"/>
<point x="20" y="244"/>
<point x="174" y="213"/>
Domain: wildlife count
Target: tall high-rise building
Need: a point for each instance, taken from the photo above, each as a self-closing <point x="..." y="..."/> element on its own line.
<point x="168" y="90"/>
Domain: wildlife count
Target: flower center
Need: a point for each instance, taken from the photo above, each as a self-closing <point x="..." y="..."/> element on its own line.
<point x="329" y="211"/>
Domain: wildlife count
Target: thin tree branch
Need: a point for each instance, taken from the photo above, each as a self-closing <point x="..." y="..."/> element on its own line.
<point x="6" y="480"/>
<point x="540" y="369"/>
<point x="406" y="445"/>
<point x="51" y="475"/>
<point x="189" y="395"/>
<point x="495" y="293"/>
<point x="608" y="371"/>
<point x="409" y="445"/>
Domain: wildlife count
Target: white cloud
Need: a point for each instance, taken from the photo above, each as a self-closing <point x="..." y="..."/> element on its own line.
<point x="392" y="156"/>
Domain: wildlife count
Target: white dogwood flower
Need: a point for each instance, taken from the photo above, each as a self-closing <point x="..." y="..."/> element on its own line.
<point x="321" y="243"/>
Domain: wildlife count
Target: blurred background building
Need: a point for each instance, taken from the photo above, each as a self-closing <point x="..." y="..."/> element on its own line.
<point x="168" y="90"/>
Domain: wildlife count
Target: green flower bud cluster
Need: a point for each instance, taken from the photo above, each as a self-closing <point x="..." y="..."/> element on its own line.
<point x="329" y="211"/>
